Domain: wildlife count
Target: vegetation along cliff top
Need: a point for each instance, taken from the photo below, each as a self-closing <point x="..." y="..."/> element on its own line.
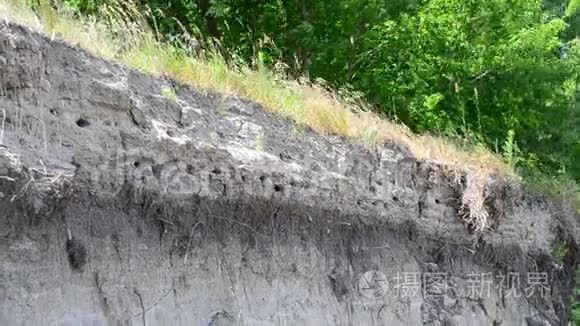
<point x="485" y="87"/>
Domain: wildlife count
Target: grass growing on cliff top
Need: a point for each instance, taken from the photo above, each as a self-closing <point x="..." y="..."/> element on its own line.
<point x="127" y="39"/>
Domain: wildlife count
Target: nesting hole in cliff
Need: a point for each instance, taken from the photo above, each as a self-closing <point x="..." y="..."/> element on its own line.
<point x="156" y="169"/>
<point x="83" y="123"/>
<point x="412" y="231"/>
<point x="216" y="170"/>
<point x="395" y="198"/>
<point x="278" y="188"/>
<point x="437" y="201"/>
<point x="77" y="254"/>
<point x="137" y="164"/>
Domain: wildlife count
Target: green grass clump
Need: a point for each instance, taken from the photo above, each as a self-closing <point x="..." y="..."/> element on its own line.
<point x="169" y="93"/>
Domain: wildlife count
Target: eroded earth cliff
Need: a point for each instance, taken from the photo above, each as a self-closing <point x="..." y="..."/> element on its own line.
<point x="121" y="204"/>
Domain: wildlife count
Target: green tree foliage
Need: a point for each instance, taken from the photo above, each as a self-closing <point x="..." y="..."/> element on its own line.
<point x="493" y="66"/>
<point x="502" y="72"/>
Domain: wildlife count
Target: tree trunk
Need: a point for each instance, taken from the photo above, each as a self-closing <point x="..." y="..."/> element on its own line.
<point x="210" y="20"/>
<point x="304" y="53"/>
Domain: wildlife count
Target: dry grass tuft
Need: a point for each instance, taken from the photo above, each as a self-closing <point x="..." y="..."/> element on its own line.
<point x="127" y="39"/>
